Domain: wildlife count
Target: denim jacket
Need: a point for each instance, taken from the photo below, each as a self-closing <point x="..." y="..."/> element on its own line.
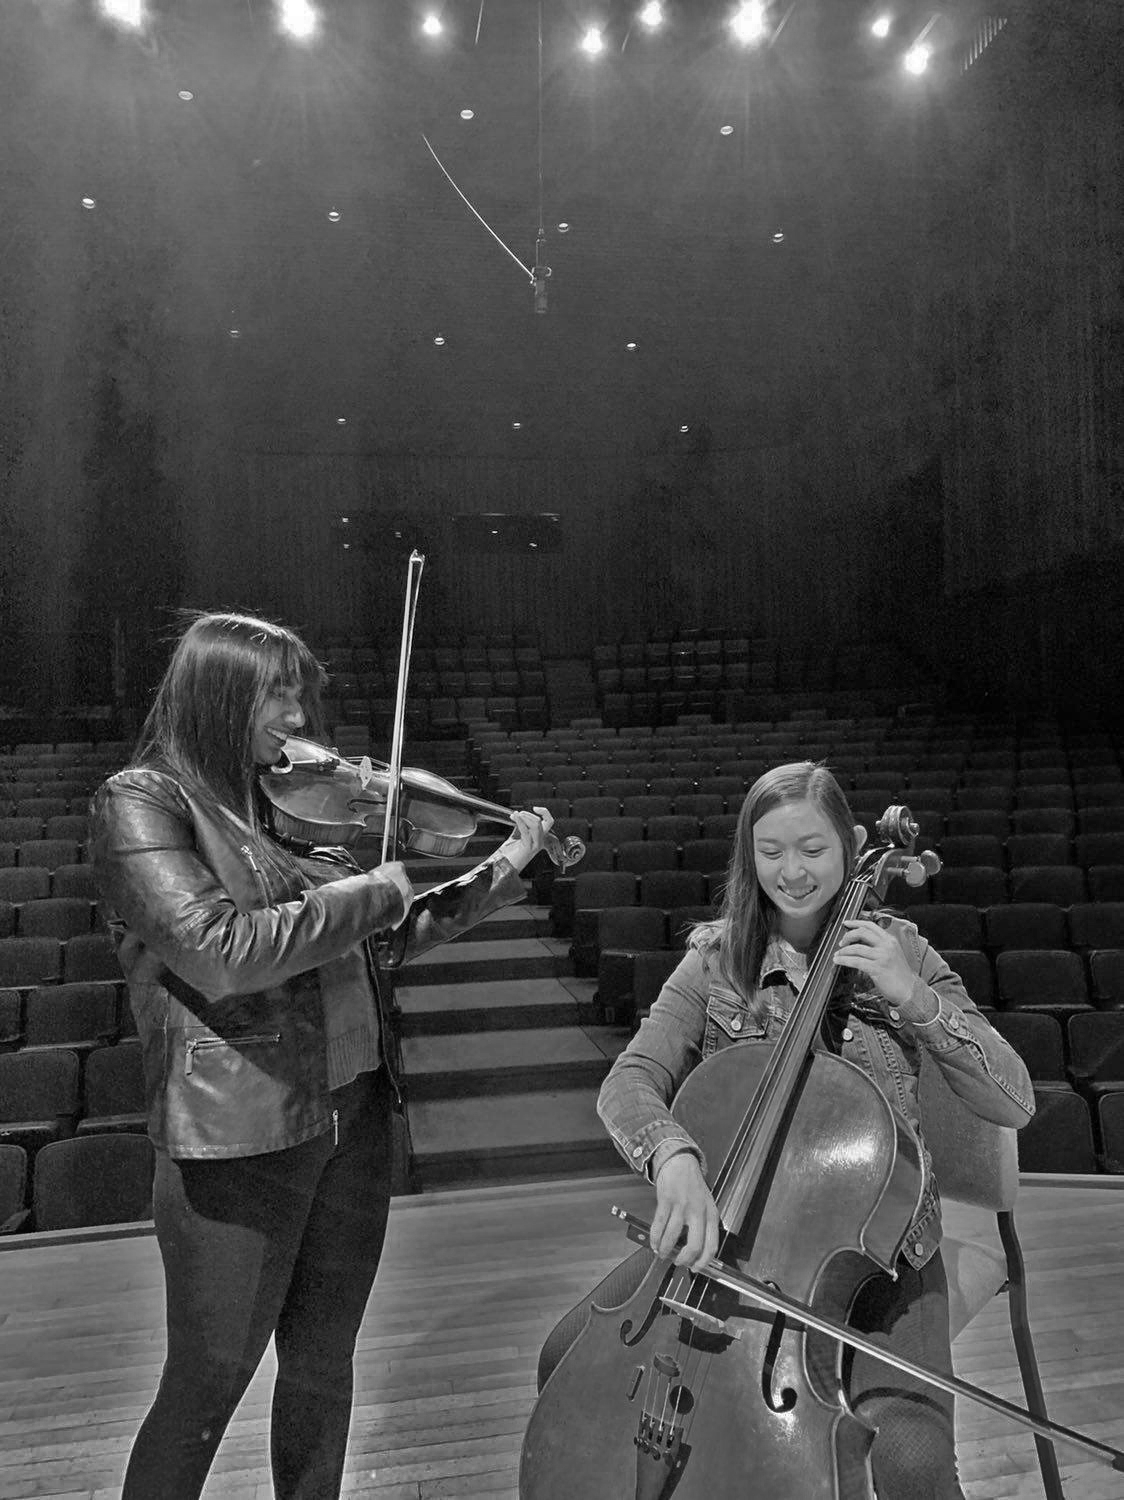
<point x="698" y="1012"/>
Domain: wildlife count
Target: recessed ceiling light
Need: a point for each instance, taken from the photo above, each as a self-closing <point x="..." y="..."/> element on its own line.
<point x="334" y="215"/>
<point x="563" y="228"/>
<point x="778" y="237"/>
<point x="726" y="130"/>
<point x="439" y="339"/>
<point x="467" y="114"/>
<point x="186" y="95"/>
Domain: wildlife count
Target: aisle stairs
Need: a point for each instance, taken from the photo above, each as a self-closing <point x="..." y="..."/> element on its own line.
<point x="503" y="1054"/>
<point x="502" y="1049"/>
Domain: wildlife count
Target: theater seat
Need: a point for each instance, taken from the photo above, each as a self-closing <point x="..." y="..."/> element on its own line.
<point x="38" y="1097"/>
<point x="14" y="1210"/>
<point x="93" y="1179"/>
<point x="1060" y="1136"/>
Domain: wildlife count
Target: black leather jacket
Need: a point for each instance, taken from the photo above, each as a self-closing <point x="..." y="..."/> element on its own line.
<point x="222" y="958"/>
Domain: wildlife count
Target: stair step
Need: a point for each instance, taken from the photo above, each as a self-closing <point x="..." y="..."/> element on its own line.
<point x="496" y="1005"/>
<point x="510" y="922"/>
<point x="538" y="1134"/>
<point x="515" y="958"/>
<point x="482" y="1064"/>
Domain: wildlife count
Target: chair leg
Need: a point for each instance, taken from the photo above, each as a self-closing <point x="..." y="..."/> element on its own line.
<point x="1024" y="1349"/>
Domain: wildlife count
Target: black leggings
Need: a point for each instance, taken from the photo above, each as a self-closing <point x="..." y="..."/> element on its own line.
<point x="285" y="1243"/>
<point x="913" y="1455"/>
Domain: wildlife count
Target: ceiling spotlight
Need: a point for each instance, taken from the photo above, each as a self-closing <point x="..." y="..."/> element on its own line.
<point x="298" y="19"/>
<point x="916" y="59"/>
<point x="517" y="425"/>
<point x="236" y="333"/>
<point x="186" y="95"/>
<point x="684" y="427"/>
<point x="563" y="228"/>
<point x="124" y="12"/>
<point x="881" y="27"/>
<point x="726" y="130"/>
<point x="341" y="422"/>
<point x="652" y="14"/>
<point x="748" y="21"/>
<point x="89" y="203"/>
<point x="593" y="42"/>
<point x="432" y="25"/>
<point x="439" y="339"/>
<point x="467" y="114"/>
<point x="778" y="236"/>
<point x="334" y="215"/>
<point x="631" y="348"/>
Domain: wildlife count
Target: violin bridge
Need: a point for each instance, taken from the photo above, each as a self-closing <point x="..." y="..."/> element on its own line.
<point x="700" y="1319"/>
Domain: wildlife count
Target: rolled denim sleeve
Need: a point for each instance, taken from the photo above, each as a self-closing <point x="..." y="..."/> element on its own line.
<point x="635" y="1099"/>
<point x="978" y="1064"/>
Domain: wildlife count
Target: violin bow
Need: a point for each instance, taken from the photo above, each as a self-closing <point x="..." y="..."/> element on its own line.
<point x="394" y="767"/>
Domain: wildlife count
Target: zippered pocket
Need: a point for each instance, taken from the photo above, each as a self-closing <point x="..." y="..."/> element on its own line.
<point x="194" y="1043"/>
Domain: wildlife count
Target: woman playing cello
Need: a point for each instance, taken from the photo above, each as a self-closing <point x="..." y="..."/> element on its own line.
<point x="794" y="848"/>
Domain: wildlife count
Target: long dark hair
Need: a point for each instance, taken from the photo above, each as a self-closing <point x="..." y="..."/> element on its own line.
<point x="747" y="918"/>
<point x="201" y="724"/>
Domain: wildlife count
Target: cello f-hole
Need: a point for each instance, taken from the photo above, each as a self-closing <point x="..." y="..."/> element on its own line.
<point x="783" y="1398"/>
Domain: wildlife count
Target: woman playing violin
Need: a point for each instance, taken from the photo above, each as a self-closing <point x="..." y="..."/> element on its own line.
<point x="268" y="1065"/>
<point x="794" y="849"/>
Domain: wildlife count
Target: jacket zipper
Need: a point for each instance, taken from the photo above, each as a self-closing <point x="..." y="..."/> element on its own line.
<point x="335" y="1127"/>
<point x="195" y="1042"/>
<point x="258" y="875"/>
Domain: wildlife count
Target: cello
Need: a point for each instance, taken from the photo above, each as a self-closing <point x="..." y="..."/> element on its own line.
<point x="731" y="1381"/>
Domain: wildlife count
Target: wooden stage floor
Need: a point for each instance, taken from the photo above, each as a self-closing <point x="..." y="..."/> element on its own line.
<point x="470" y="1283"/>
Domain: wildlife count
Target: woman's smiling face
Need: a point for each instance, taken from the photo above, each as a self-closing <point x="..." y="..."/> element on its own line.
<point x="278" y="715"/>
<point x="800" y="865"/>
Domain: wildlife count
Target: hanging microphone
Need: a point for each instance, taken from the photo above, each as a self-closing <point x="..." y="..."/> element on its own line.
<point x="540" y="273"/>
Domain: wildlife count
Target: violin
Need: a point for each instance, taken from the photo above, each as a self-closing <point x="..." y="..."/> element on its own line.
<point x="319" y="797"/>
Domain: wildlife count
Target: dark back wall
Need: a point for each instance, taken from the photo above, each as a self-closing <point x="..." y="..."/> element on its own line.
<point x="911" y="427"/>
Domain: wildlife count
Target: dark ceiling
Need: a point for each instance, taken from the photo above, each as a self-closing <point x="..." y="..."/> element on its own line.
<point x="213" y="214"/>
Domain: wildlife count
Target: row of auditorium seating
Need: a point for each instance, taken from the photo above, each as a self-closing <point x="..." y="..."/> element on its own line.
<point x="54" y="753"/>
<point x="80" y="1016"/>
<point x="41" y="853"/>
<point x="70" y="1081"/>
<point x="29" y="962"/>
<point x="29" y="882"/>
<point x="75" y="1183"/>
<point x="441" y="716"/>
<point x="484" y="683"/>
<point x="47" y="916"/>
<point x="470" y="655"/>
